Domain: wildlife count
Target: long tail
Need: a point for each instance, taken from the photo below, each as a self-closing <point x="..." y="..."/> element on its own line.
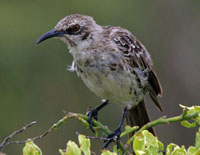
<point x="138" y="116"/>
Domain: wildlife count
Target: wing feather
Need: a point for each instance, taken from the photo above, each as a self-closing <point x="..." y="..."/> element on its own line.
<point x="137" y="56"/>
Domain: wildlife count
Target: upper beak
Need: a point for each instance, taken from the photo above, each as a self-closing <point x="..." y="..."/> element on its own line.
<point x="50" y="34"/>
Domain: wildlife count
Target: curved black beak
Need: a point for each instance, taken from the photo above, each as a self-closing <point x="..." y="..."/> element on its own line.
<point x="50" y="34"/>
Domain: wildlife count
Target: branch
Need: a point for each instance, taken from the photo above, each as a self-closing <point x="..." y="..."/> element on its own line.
<point x="164" y="120"/>
<point x="189" y="113"/>
<point x="5" y="141"/>
<point x="84" y="119"/>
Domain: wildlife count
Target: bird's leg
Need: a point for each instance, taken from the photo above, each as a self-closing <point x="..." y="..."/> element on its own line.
<point x="94" y="113"/>
<point x="116" y="134"/>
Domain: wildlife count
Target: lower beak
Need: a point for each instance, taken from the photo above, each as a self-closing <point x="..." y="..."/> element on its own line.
<point x="50" y="34"/>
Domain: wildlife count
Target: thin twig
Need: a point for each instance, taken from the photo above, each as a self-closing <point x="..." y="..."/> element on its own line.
<point x="92" y="137"/>
<point x="5" y="141"/>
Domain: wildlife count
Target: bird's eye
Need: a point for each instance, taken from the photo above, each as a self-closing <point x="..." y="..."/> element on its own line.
<point x="76" y="28"/>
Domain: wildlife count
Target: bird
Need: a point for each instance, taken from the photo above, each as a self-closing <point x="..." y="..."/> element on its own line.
<point x="113" y="64"/>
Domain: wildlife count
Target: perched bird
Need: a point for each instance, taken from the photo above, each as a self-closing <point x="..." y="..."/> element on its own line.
<point x="113" y="64"/>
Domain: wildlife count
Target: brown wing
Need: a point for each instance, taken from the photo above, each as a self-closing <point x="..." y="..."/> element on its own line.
<point x="138" y="57"/>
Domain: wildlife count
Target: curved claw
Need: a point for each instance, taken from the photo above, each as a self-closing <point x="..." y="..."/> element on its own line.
<point x="92" y="114"/>
<point x="113" y="136"/>
<point x="116" y="134"/>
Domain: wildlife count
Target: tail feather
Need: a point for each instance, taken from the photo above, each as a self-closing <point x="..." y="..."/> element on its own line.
<point x="155" y="83"/>
<point x="155" y="100"/>
<point x="138" y="116"/>
<point x="155" y="89"/>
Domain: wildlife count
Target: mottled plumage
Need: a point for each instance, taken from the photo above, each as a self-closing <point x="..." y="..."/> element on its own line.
<point x="111" y="62"/>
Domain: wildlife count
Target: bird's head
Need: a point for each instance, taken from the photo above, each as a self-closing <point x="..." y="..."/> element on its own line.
<point x="72" y="29"/>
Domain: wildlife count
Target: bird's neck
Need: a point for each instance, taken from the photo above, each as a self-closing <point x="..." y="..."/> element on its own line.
<point x="80" y="51"/>
<point x="84" y="49"/>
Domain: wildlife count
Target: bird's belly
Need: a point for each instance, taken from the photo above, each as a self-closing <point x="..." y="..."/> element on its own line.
<point x="116" y="86"/>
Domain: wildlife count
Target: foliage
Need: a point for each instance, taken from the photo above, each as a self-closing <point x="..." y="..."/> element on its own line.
<point x="145" y="143"/>
<point x="142" y="142"/>
<point x="74" y="149"/>
<point x="31" y="149"/>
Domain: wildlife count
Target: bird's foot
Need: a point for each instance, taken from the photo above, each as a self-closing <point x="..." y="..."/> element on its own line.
<point x="94" y="113"/>
<point x="113" y="136"/>
<point x="116" y="134"/>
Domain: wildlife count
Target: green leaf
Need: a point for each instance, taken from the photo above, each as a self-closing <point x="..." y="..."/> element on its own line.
<point x="197" y="140"/>
<point x="146" y="144"/>
<point x="62" y="152"/>
<point x="173" y="149"/>
<point x="191" y="110"/>
<point x="195" y="150"/>
<point x="118" y="151"/>
<point x="72" y="149"/>
<point x="188" y="124"/>
<point x="31" y="149"/>
<point x="106" y="152"/>
<point x="84" y="144"/>
<point x="191" y="150"/>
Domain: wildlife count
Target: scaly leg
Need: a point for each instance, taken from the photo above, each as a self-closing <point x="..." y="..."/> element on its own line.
<point x="94" y="113"/>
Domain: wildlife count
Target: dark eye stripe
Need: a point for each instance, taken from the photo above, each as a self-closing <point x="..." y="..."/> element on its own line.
<point x="69" y="31"/>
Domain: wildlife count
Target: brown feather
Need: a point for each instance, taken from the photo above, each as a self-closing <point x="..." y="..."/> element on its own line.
<point x="137" y="56"/>
<point x="138" y="116"/>
<point x="155" y="83"/>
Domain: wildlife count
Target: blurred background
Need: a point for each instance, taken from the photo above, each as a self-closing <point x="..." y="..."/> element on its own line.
<point x="35" y="85"/>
